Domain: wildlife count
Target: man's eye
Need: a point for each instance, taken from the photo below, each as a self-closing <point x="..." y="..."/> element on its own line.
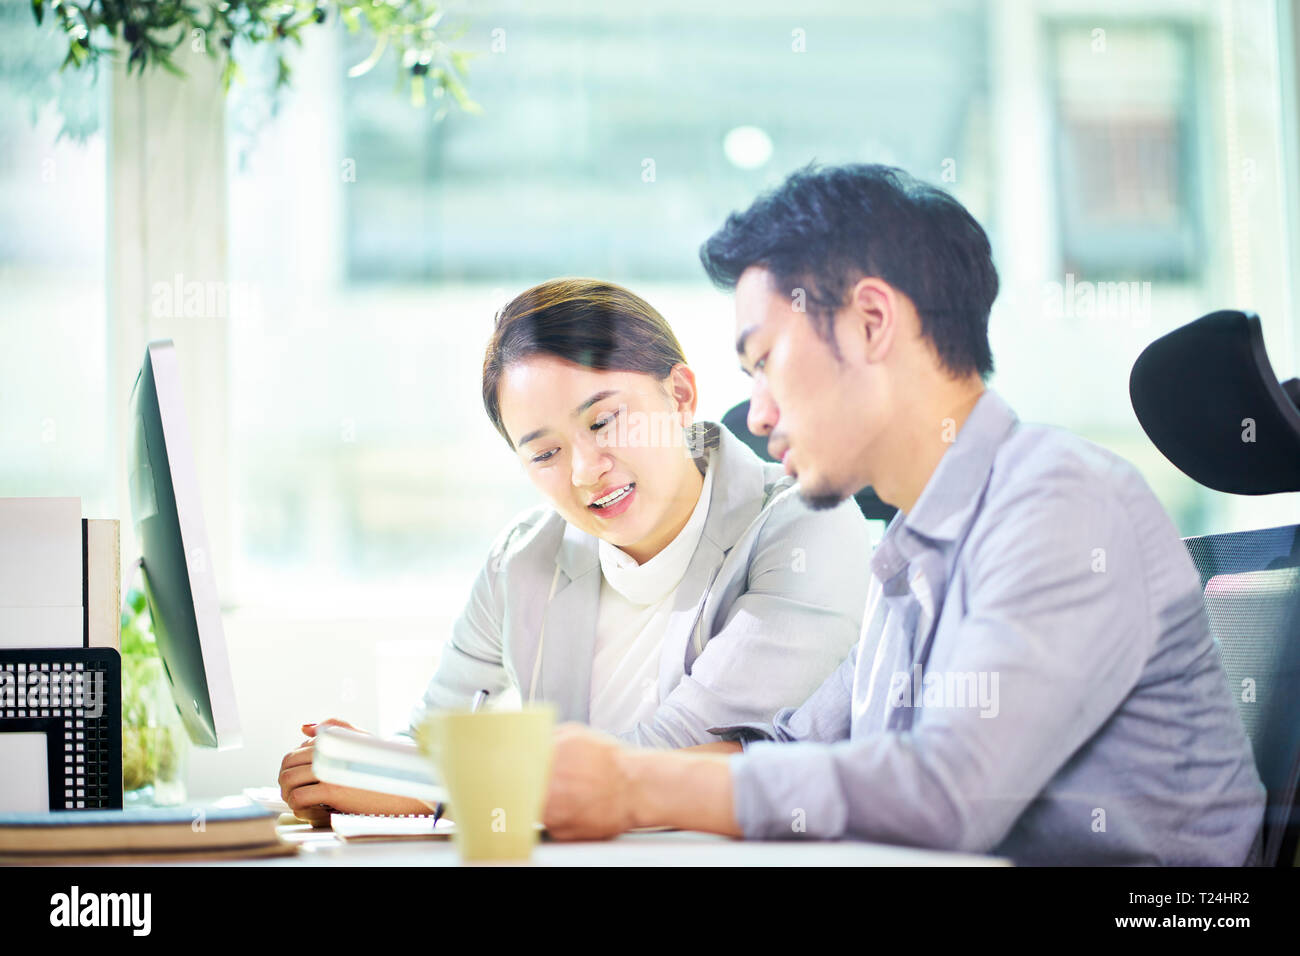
<point x="600" y="423"/>
<point x="545" y="456"/>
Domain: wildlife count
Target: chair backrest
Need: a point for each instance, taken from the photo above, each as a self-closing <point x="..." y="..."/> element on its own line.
<point x="736" y="422"/>
<point x="1251" y="588"/>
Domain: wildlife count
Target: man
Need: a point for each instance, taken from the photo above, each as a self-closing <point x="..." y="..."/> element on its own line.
<point x="1035" y="676"/>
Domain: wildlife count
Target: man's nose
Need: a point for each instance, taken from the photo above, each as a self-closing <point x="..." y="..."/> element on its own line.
<point x="763" y="413"/>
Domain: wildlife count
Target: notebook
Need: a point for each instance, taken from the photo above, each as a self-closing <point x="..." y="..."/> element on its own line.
<point x="171" y="833"/>
<point x="374" y="826"/>
<point x="368" y="762"/>
<point x="378" y="826"/>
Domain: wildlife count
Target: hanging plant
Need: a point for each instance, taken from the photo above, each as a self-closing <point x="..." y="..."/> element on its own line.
<point x="151" y="31"/>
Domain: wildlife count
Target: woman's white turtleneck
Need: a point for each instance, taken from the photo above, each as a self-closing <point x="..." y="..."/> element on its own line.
<point x="635" y="602"/>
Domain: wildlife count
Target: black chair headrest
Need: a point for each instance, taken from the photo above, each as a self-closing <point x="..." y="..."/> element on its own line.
<point x="1207" y="397"/>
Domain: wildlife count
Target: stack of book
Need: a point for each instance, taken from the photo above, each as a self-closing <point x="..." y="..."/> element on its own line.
<point x="61" y="708"/>
<point x="166" y="835"/>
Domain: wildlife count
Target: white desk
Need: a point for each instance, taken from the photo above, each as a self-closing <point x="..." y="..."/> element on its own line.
<point x="667" y="848"/>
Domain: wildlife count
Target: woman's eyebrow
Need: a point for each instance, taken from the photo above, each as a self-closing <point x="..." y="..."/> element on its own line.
<point x="598" y="397"/>
<point x="539" y="432"/>
<point x="536" y="433"/>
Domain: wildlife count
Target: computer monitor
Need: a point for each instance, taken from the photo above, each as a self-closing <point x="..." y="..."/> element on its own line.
<point x="176" y="562"/>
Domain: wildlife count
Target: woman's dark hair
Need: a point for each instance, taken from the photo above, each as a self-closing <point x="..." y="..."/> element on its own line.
<point x="823" y="229"/>
<point x="598" y="325"/>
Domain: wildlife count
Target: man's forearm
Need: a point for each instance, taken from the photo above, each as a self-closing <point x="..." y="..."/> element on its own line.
<point x="691" y="791"/>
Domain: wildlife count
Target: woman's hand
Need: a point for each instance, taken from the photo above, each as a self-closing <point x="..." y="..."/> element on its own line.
<point x="313" y="801"/>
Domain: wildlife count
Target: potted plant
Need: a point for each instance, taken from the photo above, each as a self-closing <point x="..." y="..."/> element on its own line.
<point x="155" y="747"/>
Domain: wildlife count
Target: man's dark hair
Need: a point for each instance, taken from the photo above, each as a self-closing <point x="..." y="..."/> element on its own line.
<point x="825" y="228"/>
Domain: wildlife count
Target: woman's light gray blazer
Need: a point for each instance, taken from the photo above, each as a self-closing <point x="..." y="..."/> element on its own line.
<point x="771" y="603"/>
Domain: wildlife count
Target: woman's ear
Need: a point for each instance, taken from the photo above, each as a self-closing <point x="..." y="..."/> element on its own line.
<point x="680" y="386"/>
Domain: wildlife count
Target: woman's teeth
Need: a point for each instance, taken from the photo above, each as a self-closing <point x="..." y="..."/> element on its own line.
<point x="612" y="497"/>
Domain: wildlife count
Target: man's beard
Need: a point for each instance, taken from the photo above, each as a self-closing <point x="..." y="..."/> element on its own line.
<point x="820" y="499"/>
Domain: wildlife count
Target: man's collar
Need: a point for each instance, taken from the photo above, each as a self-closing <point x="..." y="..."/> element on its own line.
<point x="947" y="502"/>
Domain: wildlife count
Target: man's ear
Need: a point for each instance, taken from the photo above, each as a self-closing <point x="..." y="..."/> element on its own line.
<point x="681" y="389"/>
<point x="871" y="319"/>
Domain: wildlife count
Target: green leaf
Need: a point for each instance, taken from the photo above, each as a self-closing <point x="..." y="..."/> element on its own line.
<point x="159" y="27"/>
<point x="457" y="90"/>
<point x="460" y="60"/>
<point x="366" y="65"/>
<point x="165" y="62"/>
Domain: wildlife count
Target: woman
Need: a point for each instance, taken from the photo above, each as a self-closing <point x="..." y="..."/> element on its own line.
<point x="674" y="583"/>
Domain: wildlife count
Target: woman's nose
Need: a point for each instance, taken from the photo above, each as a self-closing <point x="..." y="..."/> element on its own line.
<point x="589" y="463"/>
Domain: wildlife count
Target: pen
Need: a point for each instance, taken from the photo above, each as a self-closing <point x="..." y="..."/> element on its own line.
<point x="479" y="697"/>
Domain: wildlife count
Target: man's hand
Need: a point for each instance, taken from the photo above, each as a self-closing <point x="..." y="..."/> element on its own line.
<point x="313" y="801"/>
<point x="589" y="797"/>
<point x="599" y="788"/>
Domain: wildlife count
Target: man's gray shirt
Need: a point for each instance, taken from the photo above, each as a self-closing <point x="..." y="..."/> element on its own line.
<point x="1035" y="678"/>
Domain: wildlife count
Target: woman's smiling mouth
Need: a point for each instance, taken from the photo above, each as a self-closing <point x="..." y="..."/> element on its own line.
<point x="614" y="502"/>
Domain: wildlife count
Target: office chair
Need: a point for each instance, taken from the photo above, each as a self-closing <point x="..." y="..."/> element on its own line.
<point x="1251" y="589"/>
<point x="1202" y="393"/>
<point x="736" y="421"/>
<point x="1207" y="397"/>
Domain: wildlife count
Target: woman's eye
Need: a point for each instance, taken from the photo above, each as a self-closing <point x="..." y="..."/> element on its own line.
<point x="760" y="364"/>
<point x="600" y="423"/>
<point x="545" y="456"/>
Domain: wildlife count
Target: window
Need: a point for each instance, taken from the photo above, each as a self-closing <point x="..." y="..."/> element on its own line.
<point x="1127" y="160"/>
<point x="54" y="423"/>
<point x="1124" y="162"/>
<point x="380" y="243"/>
